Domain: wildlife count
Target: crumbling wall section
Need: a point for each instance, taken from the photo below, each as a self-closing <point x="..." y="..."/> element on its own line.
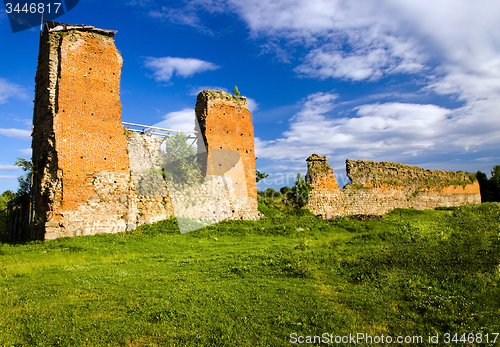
<point x="226" y="124"/>
<point x="371" y="174"/>
<point x="92" y="176"/>
<point x="377" y="188"/>
<point x="83" y="183"/>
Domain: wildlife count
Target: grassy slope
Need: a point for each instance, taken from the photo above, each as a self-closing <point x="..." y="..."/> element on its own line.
<point x="243" y="283"/>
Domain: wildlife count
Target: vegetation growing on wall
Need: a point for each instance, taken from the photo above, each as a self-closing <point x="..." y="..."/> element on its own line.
<point x="208" y="94"/>
<point x="182" y="165"/>
<point x="364" y="173"/>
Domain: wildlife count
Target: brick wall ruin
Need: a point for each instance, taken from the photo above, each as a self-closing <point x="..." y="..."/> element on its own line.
<point x="226" y="124"/>
<point x="377" y="188"/>
<point x="91" y="176"/>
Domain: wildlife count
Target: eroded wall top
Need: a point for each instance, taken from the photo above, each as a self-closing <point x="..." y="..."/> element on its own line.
<point x="371" y="174"/>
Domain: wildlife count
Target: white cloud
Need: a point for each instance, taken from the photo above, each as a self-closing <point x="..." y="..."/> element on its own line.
<point x="390" y="131"/>
<point x="178" y="120"/>
<point x="450" y="47"/>
<point x="9" y="168"/>
<point x="140" y="3"/>
<point x="25" y="152"/>
<point x="252" y="105"/>
<point x="9" y="89"/>
<point x="165" y="67"/>
<point x="7" y="177"/>
<point x="16" y="133"/>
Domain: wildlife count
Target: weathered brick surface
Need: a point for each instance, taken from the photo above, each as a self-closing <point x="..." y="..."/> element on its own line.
<point x="78" y="138"/>
<point x="226" y="124"/>
<point x="88" y="117"/>
<point x="377" y="188"/>
<point x="91" y="176"/>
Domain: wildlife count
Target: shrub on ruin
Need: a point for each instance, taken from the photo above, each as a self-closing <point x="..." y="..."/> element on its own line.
<point x="182" y="165"/>
<point x="300" y="192"/>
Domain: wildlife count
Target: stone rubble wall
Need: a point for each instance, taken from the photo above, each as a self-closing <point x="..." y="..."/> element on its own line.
<point x="92" y="176"/>
<point x="123" y="201"/>
<point x="377" y="188"/>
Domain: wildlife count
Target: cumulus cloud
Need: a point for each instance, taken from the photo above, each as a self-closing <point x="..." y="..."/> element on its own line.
<point x="25" y="152"/>
<point x="9" y="89"/>
<point x="450" y="48"/>
<point x="7" y="177"/>
<point x="9" y="168"/>
<point x="178" y="120"/>
<point x="389" y="131"/>
<point x="16" y="133"/>
<point x="252" y="105"/>
<point x="165" y="67"/>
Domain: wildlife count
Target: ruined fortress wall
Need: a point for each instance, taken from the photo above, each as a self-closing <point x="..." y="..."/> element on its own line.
<point x="90" y="175"/>
<point x="78" y="142"/>
<point x="226" y="124"/>
<point x="377" y="188"/>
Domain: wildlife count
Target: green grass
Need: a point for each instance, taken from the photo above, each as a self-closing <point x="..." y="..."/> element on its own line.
<point x="242" y="283"/>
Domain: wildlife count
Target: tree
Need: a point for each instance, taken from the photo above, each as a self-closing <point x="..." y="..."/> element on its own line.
<point x="182" y="165"/>
<point x="236" y="91"/>
<point x="4" y="199"/>
<point x="490" y="188"/>
<point x="8" y="195"/>
<point x="300" y="192"/>
<point x="24" y="180"/>
<point x="259" y="175"/>
<point x="495" y="182"/>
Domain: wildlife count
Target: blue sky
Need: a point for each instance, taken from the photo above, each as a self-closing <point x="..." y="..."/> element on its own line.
<point x="415" y="82"/>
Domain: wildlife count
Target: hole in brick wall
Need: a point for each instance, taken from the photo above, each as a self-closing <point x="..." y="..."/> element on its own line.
<point x="241" y="134"/>
<point x="90" y="68"/>
<point x="221" y="147"/>
<point x="246" y="151"/>
<point x="81" y="157"/>
<point x="105" y="159"/>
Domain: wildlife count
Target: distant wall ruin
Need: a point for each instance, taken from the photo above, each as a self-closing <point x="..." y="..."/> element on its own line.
<point x="90" y="176"/>
<point x="377" y="188"/>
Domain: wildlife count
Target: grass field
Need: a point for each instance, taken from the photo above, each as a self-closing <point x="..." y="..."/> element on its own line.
<point x="243" y="283"/>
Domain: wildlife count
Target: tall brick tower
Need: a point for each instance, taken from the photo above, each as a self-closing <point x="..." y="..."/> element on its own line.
<point x="227" y="130"/>
<point x="79" y="144"/>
